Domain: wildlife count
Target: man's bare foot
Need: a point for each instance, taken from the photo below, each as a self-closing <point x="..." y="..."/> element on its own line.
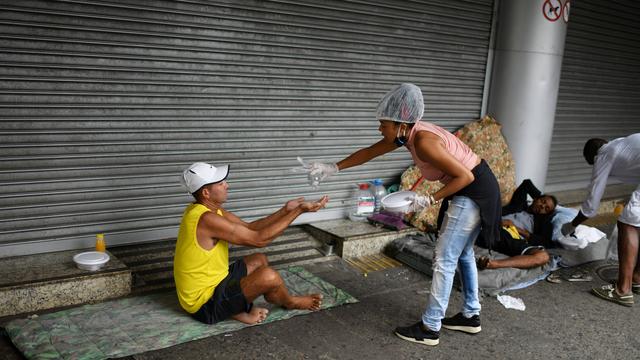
<point x="255" y="316"/>
<point x="310" y="302"/>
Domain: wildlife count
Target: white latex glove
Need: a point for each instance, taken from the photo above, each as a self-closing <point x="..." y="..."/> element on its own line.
<point x="420" y="202"/>
<point x="323" y="170"/>
<point x="317" y="171"/>
<point x="568" y="229"/>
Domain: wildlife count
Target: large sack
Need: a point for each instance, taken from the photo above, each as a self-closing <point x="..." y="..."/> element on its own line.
<point x="486" y="140"/>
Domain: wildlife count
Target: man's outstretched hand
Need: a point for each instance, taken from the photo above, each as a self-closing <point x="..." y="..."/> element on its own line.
<point x="312" y="206"/>
<point x="306" y="206"/>
<point x="292" y="204"/>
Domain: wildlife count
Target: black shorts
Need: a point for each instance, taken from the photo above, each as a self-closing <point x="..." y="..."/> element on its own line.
<point x="227" y="298"/>
<point x="510" y="246"/>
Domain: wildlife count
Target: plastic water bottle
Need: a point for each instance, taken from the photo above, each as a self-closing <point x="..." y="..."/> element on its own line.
<point x="364" y="203"/>
<point x="314" y="181"/>
<point x="378" y="193"/>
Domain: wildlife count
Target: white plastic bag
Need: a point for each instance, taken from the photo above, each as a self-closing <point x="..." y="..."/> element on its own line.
<point x="511" y="302"/>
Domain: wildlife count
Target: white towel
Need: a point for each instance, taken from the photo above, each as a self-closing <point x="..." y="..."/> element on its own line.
<point x="582" y="236"/>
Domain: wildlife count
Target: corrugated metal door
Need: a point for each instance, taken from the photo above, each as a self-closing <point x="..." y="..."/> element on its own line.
<point x="599" y="92"/>
<point x="105" y="102"/>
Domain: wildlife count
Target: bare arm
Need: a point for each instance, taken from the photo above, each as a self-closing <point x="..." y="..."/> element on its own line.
<point x="363" y="155"/>
<point x="579" y="219"/>
<point x="430" y="148"/>
<point x="236" y="231"/>
<point x="266" y="221"/>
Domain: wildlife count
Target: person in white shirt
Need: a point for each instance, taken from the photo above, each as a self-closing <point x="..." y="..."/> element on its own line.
<point x="618" y="159"/>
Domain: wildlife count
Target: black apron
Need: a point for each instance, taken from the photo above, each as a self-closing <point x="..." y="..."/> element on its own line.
<point x="485" y="192"/>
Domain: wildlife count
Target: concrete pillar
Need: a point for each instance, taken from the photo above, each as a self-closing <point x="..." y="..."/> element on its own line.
<point x="529" y="44"/>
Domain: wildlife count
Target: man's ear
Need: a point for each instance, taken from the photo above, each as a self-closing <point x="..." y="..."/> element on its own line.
<point x="205" y="192"/>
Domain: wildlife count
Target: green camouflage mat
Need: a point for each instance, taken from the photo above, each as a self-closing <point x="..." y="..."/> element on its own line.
<point x="137" y="324"/>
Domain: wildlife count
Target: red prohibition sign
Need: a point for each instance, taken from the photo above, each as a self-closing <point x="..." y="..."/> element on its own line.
<point x="552" y="10"/>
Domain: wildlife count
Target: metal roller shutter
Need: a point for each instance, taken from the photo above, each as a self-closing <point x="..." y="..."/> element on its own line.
<point x="104" y="103"/>
<point x="599" y="92"/>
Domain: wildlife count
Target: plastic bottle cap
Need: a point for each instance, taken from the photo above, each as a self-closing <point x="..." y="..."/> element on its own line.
<point x="99" y="236"/>
<point x="377" y="182"/>
<point x="364" y="186"/>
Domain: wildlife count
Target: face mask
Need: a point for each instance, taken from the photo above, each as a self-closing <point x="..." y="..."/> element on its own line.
<point x="400" y="140"/>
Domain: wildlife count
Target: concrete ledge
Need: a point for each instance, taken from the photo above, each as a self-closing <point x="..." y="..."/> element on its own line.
<point x="613" y="195"/>
<point x="43" y="281"/>
<point x="355" y="239"/>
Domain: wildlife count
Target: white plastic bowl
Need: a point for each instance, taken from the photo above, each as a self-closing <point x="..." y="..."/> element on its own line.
<point x="398" y="202"/>
<point x="91" y="260"/>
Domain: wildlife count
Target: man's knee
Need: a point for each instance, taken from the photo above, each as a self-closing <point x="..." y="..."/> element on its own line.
<point x="542" y="256"/>
<point x="268" y="277"/>
<point x="255" y="261"/>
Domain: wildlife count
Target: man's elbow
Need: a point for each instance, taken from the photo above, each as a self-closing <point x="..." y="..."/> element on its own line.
<point x="261" y="240"/>
<point x="260" y="244"/>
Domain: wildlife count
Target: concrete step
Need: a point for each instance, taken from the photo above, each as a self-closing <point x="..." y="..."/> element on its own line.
<point x="614" y="194"/>
<point x="355" y="239"/>
<point x="38" y="282"/>
<point x="152" y="263"/>
<point x="161" y="277"/>
<point x="274" y="254"/>
<point x="131" y="254"/>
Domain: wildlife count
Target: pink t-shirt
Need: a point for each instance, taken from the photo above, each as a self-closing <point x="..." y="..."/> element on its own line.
<point x="454" y="146"/>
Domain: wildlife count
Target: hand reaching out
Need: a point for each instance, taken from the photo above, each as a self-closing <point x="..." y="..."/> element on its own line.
<point x="317" y="171"/>
<point x="292" y="204"/>
<point x="313" y="206"/>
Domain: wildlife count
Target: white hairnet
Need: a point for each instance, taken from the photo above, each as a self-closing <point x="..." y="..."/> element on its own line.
<point x="403" y="103"/>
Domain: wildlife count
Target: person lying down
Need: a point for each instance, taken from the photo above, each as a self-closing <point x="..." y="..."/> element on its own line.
<point x="526" y="231"/>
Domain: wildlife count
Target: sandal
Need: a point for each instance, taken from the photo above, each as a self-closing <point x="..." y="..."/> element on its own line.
<point x="482" y="262"/>
<point x="554" y="278"/>
<point x="580" y="276"/>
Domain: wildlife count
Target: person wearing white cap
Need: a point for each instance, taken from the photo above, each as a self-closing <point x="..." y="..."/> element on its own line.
<point x="474" y="206"/>
<point x="208" y="287"/>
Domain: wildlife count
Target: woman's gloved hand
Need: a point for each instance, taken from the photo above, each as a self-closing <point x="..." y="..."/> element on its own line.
<point x="318" y="171"/>
<point x="323" y="170"/>
<point x="420" y="202"/>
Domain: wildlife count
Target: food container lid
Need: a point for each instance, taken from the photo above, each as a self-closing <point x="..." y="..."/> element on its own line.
<point x="91" y="258"/>
<point x="398" y="199"/>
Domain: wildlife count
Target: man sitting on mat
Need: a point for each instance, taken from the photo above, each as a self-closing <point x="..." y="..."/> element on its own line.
<point x="525" y="233"/>
<point x="208" y="287"/>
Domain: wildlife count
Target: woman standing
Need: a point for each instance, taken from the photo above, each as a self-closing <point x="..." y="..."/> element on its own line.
<point x="474" y="205"/>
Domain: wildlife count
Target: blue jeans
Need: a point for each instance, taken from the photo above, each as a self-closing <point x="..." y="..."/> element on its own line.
<point x="460" y="227"/>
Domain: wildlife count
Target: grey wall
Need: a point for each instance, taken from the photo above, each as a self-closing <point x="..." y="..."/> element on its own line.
<point x="104" y="103"/>
<point x="599" y="92"/>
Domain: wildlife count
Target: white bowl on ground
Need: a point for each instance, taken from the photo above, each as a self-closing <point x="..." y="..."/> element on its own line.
<point x="91" y="260"/>
<point x="398" y="202"/>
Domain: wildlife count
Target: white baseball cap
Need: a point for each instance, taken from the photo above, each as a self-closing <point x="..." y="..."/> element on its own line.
<point x="200" y="174"/>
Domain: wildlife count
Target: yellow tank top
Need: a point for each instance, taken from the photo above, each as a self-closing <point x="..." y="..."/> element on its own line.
<point x="197" y="271"/>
